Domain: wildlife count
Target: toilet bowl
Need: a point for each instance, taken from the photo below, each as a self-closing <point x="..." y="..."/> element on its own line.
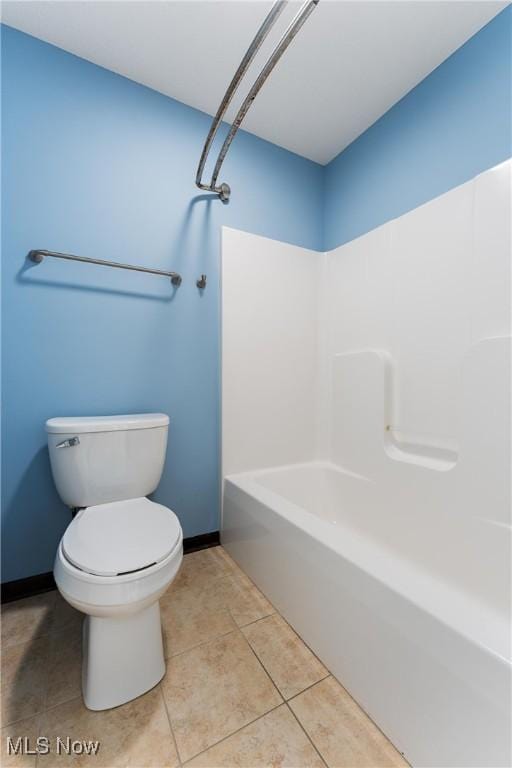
<point x="117" y="557"/>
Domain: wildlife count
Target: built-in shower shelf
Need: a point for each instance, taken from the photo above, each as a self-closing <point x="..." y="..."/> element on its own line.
<point x="430" y="456"/>
<point x="364" y="435"/>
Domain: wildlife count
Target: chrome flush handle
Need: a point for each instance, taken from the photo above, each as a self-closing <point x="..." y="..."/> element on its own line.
<point x="69" y="443"/>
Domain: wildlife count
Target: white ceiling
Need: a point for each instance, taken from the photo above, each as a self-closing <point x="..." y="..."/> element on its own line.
<point x="348" y="65"/>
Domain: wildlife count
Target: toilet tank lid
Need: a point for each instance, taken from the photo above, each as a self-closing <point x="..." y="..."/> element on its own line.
<point x="84" y="424"/>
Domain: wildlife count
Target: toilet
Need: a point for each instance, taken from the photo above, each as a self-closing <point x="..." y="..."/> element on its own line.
<point x="120" y="552"/>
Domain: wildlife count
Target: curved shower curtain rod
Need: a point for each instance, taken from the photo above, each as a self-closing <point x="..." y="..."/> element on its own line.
<point x="223" y="190"/>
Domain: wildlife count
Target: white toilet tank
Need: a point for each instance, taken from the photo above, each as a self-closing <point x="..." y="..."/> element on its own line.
<point x="98" y="459"/>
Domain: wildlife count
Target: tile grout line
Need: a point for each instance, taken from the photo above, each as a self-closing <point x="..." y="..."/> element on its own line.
<point x="203" y="642"/>
<point x="302" y="640"/>
<point x="357" y="705"/>
<point x="41" y="712"/>
<point x="211" y="580"/>
<point x="317" y="750"/>
<point x="270" y="675"/>
<point x="223" y="574"/>
<point x="285" y="699"/>
<point x="261" y="618"/>
<point x="295" y="695"/>
<point x="261" y="664"/>
<point x="238" y="730"/>
<point x="38" y="731"/>
<point x="178" y="755"/>
<point x="308" y="687"/>
<point x="237" y="568"/>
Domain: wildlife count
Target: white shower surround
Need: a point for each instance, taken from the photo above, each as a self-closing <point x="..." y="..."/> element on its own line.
<point x="366" y="456"/>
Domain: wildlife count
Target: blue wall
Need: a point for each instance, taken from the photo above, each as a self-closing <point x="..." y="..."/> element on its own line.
<point x="453" y="125"/>
<point x="97" y="165"/>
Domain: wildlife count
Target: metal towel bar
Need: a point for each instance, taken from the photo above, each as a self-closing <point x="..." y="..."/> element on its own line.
<point x="37" y="256"/>
<point x="223" y="190"/>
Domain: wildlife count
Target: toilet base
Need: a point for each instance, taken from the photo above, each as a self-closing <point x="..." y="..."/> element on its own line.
<point x="122" y="657"/>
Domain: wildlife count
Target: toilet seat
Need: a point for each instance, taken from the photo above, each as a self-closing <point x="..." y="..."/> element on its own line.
<point x="119" y="595"/>
<point x="121" y="537"/>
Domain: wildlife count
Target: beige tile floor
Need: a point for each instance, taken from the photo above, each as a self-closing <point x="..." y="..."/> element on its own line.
<point x="241" y="688"/>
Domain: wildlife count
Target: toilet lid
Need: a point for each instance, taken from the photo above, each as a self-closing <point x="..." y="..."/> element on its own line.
<point x="121" y="537"/>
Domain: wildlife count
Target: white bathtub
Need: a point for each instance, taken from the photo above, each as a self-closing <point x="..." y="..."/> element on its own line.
<point x="406" y="611"/>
